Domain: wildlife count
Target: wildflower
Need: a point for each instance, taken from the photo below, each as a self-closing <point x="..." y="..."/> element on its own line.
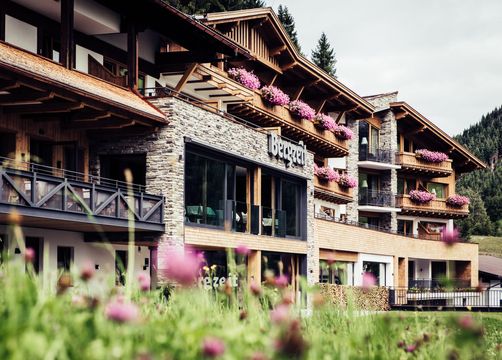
<point x="255" y="288"/>
<point x="330" y="260"/>
<point x="411" y="348"/>
<point x="450" y="236"/>
<point x="243" y="315"/>
<point x="426" y="337"/>
<point x="87" y="271"/>
<point x="280" y="314"/>
<point x="120" y="311"/>
<point x="258" y="356"/>
<point x="288" y="297"/>
<point x="401" y="344"/>
<point x="144" y="282"/>
<point x="369" y="280"/>
<point x="78" y="300"/>
<point x="212" y="347"/>
<point x="281" y="281"/>
<point x="29" y="255"/>
<point x="291" y="343"/>
<point x="64" y="282"/>
<point x="466" y="322"/>
<point x="242" y="250"/>
<point x="182" y="267"/>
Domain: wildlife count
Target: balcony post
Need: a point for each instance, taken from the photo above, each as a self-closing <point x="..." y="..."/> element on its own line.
<point x="3" y="5"/>
<point x="67" y="39"/>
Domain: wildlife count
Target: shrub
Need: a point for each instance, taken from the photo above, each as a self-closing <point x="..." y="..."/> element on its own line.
<point x="343" y="132"/>
<point x="347" y="181"/>
<point x="325" y="122"/>
<point x="431" y="156"/>
<point x="274" y="95"/>
<point x="326" y="173"/>
<point x="457" y="200"/>
<point x="421" y="197"/>
<point x="246" y="78"/>
<point x="302" y="110"/>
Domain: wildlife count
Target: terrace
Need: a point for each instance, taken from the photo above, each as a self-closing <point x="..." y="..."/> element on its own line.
<point x="436" y="208"/>
<point x="410" y="163"/>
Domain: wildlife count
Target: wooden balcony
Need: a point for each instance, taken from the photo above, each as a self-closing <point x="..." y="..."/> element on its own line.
<point x="41" y="196"/>
<point x="435" y="208"/>
<point x="332" y="191"/>
<point x="259" y="112"/>
<point x="412" y="164"/>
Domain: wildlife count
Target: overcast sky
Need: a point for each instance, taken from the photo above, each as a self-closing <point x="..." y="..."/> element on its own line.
<point x="443" y="56"/>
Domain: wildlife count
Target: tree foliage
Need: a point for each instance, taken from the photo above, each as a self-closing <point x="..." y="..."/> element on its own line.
<point x="289" y="24"/>
<point x="208" y="6"/>
<point x="484" y="139"/>
<point x="324" y="55"/>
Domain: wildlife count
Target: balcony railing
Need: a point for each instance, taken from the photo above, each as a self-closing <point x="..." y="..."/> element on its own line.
<point x="437" y="207"/>
<point x="378" y="198"/>
<point x="332" y="189"/>
<point x="438" y="283"/>
<point x="376" y="155"/>
<point x="43" y="191"/>
<point x="410" y="163"/>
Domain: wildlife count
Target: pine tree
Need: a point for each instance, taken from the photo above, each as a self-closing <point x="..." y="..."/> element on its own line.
<point x="289" y="24"/>
<point x="207" y="6"/>
<point x="478" y="222"/>
<point x="324" y="55"/>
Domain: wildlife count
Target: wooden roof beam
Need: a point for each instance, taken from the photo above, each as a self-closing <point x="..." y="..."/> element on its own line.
<point x="25" y="98"/>
<point x="188" y="72"/>
<point x="278" y="50"/>
<point x="52" y="107"/>
<point x="416" y="131"/>
<point x="297" y="93"/>
<point x="402" y="115"/>
<point x="289" y="66"/>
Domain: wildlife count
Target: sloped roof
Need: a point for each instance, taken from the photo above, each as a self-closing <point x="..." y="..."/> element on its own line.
<point x="491" y="265"/>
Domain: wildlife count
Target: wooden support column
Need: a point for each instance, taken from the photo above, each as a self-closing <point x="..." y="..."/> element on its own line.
<point x="67" y="40"/>
<point x="3" y="4"/>
<point x="254" y="266"/>
<point x="257" y="195"/>
<point x="132" y="55"/>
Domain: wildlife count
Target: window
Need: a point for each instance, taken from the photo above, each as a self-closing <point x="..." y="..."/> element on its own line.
<point x="113" y="167"/>
<point x="378" y="270"/>
<point x="291" y="207"/>
<point x="339" y="273"/>
<point x="64" y="258"/>
<point x="120" y="267"/>
<point x="369" y="221"/>
<point x="438" y="189"/>
<point x="405" y="227"/>
<point x="3" y="247"/>
<point x="405" y="185"/>
<point x="369" y="138"/>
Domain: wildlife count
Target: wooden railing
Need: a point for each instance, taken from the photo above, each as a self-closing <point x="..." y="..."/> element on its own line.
<point x="438" y="206"/>
<point x="409" y="161"/>
<point x="334" y="188"/>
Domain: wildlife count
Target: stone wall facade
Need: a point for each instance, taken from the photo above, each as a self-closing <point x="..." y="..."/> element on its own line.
<point x="353" y="169"/>
<point x="165" y="152"/>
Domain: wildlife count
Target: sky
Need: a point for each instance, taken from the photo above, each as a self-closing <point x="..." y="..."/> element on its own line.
<point x="443" y="56"/>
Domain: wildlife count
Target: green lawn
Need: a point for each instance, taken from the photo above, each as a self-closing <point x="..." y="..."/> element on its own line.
<point x="489" y="245"/>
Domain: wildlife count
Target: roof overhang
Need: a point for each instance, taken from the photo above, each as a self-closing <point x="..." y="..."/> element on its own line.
<point x="465" y="161"/>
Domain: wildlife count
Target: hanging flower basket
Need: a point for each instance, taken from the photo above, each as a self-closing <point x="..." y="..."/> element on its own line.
<point x="302" y="110"/>
<point x="244" y="77"/>
<point x="274" y="95"/>
<point x="325" y="122"/>
<point x="326" y="174"/>
<point x="347" y="181"/>
<point x="431" y="156"/>
<point x="342" y="132"/>
<point x="457" y="201"/>
<point x="421" y="197"/>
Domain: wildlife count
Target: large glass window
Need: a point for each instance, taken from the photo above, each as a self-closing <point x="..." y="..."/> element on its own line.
<point x="378" y="270"/>
<point x="438" y="189"/>
<point x="291" y="207"/>
<point x="64" y="258"/>
<point x="339" y="273"/>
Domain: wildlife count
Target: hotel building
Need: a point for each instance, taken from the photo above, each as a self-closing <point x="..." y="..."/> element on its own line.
<point x="90" y="88"/>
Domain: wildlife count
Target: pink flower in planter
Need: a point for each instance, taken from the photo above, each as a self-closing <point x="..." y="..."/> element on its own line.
<point x="182" y="267"/>
<point x="302" y="110"/>
<point x="242" y="250"/>
<point x="121" y="311"/>
<point x="369" y="280"/>
<point x="347" y="181"/>
<point x="343" y="132"/>
<point x="325" y="122"/>
<point x="246" y="78"/>
<point x="421" y="197"/>
<point x="326" y="173"/>
<point x="274" y="95"/>
<point x="458" y="200"/>
<point x="212" y="347"/>
<point x="450" y="236"/>
<point x="144" y="282"/>
<point x="431" y="156"/>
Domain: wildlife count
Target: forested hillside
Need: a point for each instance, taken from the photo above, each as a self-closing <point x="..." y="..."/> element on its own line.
<point x="484" y="187"/>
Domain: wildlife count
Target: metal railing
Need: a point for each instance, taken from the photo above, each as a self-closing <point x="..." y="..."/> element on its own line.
<point x="36" y="187"/>
<point x="376" y="155"/>
<point x="372" y="227"/>
<point x="376" y="198"/>
<point x="454" y="298"/>
<point x="438" y="283"/>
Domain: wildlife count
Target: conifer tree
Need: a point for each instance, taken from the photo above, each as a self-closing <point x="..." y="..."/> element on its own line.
<point x="207" y="6"/>
<point x="324" y="55"/>
<point x="289" y="24"/>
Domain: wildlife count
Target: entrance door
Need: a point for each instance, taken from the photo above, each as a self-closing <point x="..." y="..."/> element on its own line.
<point x="120" y="266"/>
<point x="35" y="244"/>
<point x="438" y="272"/>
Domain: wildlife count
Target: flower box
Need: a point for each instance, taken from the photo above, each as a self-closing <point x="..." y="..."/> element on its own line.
<point x="343" y="132"/>
<point x="325" y="122"/>
<point x="274" y="95"/>
<point x="244" y="77"/>
<point x="326" y="174"/>
<point x="347" y="181"/>
<point x="457" y="201"/>
<point x="431" y="156"/>
<point x="421" y="197"/>
<point x="302" y="110"/>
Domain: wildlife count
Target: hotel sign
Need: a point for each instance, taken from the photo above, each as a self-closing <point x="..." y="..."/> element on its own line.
<point x="287" y="151"/>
